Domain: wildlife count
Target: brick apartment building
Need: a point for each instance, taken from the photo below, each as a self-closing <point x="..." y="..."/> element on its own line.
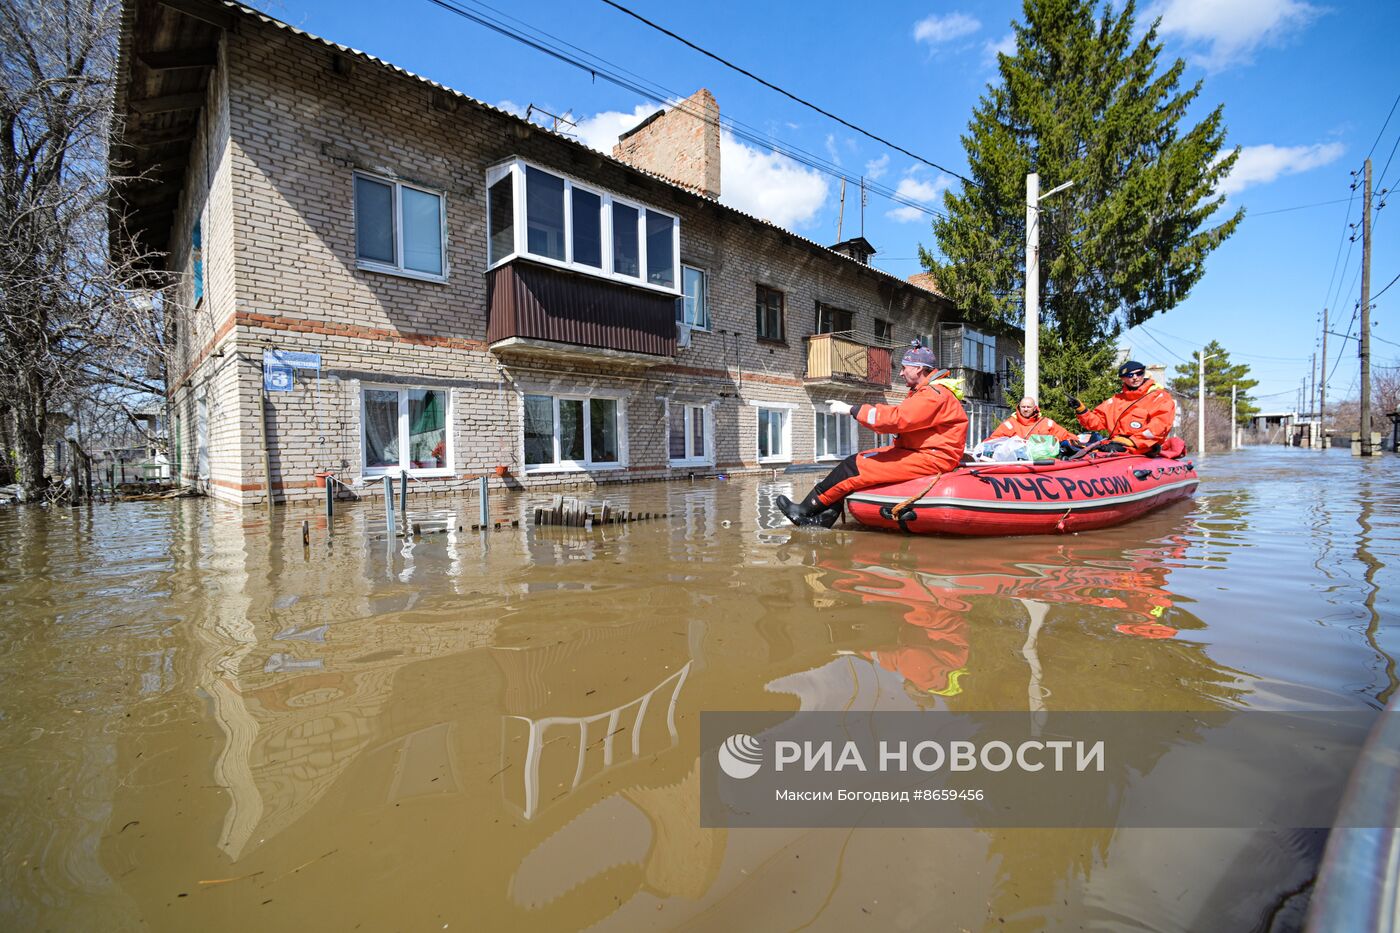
<point x="377" y="273"/>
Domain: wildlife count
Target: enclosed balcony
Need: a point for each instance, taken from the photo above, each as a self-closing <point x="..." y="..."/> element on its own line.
<point x="544" y="313"/>
<point x="838" y="359"/>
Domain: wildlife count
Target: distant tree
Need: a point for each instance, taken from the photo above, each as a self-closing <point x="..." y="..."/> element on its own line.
<point x="1082" y="100"/>
<point x="1221" y="374"/>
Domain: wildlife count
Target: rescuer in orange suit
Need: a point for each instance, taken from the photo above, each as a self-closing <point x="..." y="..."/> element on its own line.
<point x="1027" y="420"/>
<point x="930" y="428"/>
<point x="1135" y="420"/>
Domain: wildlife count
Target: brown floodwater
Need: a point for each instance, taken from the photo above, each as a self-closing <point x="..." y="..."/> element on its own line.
<point x="206" y="726"/>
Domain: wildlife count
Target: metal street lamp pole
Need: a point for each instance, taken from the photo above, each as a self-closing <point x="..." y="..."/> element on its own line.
<point x="1033" y="199"/>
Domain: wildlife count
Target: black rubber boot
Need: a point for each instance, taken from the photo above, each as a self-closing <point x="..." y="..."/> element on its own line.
<point x="809" y="511"/>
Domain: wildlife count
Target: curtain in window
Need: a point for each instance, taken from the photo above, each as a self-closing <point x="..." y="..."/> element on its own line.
<point x="571" y="429"/>
<point x="427" y="429"/>
<point x="381" y="418"/>
<point x="422" y="231"/>
<point x="602" y="415"/>
<point x="677" y="433"/>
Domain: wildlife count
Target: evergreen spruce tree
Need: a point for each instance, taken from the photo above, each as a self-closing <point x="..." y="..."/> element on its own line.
<point x="1081" y="100"/>
<point x="1221" y="374"/>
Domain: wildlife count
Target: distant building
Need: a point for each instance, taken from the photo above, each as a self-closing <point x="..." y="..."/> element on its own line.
<point x="380" y="275"/>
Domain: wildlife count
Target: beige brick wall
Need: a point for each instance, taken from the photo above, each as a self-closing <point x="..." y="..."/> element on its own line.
<point x="283" y="274"/>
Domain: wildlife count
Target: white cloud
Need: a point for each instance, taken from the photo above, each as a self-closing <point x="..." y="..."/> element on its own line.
<point x="601" y="130"/>
<point x="913" y="188"/>
<point x="831" y="152"/>
<point x="510" y="106"/>
<point x="1006" y="45"/>
<point x="877" y="167"/>
<point x="1259" y="165"/>
<point x="769" y="185"/>
<point x="1228" y="33"/>
<point x="936" y="29"/>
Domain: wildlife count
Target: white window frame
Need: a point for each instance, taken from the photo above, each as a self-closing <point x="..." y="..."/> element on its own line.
<point x="704" y="299"/>
<point x="844" y="424"/>
<point x="587" y="464"/>
<point x="786" y="408"/>
<point x="368" y="471"/>
<point x="515" y="169"/>
<point x="397" y="267"/>
<point x="688" y="412"/>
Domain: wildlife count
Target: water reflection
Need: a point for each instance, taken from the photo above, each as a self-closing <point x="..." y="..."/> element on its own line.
<point x="502" y="729"/>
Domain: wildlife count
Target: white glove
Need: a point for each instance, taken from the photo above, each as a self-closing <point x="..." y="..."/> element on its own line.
<point x="838" y="408"/>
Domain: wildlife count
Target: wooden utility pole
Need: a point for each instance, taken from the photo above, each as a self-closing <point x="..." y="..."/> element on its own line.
<point x="1312" y="389"/>
<point x="1201" y="402"/>
<point x="1365" y="346"/>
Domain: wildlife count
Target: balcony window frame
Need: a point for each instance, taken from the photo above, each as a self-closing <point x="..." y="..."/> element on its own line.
<point x="403" y="391"/>
<point x="834" y="313"/>
<point x="516" y="168"/>
<point x="688" y="411"/>
<point x="886" y="338"/>
<point x="397" y="267"/>
<point x="587" y="464"/>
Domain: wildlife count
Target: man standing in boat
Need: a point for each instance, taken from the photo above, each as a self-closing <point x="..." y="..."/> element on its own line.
<point x="1027" y="420"/>
<point x="1137" y="419"/>
<point x="930" y="428"/>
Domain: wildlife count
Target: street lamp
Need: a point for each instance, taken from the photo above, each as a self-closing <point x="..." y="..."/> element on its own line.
<point x="1033" y="199"/>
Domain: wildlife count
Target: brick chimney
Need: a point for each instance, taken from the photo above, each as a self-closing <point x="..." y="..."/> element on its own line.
<point x="678" y="144"/>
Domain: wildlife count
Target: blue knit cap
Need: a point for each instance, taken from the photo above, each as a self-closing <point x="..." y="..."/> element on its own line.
<point x="918" y="356"/>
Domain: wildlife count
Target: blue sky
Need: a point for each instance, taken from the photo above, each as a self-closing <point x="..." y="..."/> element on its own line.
<point x="1306" y="86"/>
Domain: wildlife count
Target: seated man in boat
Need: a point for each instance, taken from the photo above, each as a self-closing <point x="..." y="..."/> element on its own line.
<point x="1027" y="420"/>
<point x="1137" y="419"/>
<point x="930" y="428"/>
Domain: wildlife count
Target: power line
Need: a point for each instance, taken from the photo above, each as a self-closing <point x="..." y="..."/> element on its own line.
<point x="1387" y="285"/>
<point x="1296" y="207"/>
<point x="788" y="94"/>
<point x="1159" y="343"/>
<point x="666" y="98"/>
<point x="1378" y="135"/>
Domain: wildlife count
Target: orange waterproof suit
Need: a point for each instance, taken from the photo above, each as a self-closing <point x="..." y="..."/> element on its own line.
<point x="1139" y="418"/>
<point x="1016" y="426"/>
<point x="931" y="429"/>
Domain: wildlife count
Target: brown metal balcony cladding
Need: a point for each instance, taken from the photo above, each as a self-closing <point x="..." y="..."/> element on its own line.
<point x="833" y="359"/>
<point x="530" y="303"/>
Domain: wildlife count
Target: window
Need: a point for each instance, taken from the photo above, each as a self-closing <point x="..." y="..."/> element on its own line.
<point x="197" y="258"/>
<point x="979" y="351"/>
<point x="500" y="211"/>
<point x="405" y="430"/>
<point x="774" y="435"/>
<point x="587" y="210"/>
<point x="833" y="320"/>
<point x="686" y="435"/>
<point x="572" y="432"/>
<point x="552" y="218"/>
<point x="835" y="436"/>
<point x="624" y="240"/>
<point x="770" y="313"/>
<point x="398" y="228"/>
<point x="661" y="260"/>
<point x="884" y="332"/>
<point x="693" y="309"/>
<point x="544" y="214"/>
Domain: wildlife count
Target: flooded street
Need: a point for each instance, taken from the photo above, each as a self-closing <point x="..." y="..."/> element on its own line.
<point x="206" y="726"/>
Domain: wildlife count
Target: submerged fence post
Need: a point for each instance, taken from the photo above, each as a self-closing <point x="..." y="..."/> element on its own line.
<point x="330" y="501"/>
<point x="389" y="505"/>
<point x="482" y="501"/>
<point x="403" y="501"/>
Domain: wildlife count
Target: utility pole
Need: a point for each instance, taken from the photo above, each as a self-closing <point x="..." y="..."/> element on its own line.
<point x="1312" y="389"/>
<point x="841" y="213"/>
<point x="1365" y="344"/>
<point x="1322" y="388"/>
<point x="1032" y="340"/>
